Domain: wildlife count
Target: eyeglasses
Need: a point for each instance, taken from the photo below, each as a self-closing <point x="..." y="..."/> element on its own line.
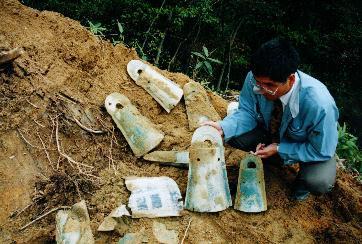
<point x="259" y="87"/>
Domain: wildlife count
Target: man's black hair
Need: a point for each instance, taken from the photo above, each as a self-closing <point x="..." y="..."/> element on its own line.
<point x="276" y="59"/>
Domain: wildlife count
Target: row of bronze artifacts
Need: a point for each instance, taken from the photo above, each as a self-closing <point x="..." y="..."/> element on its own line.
<point x="207" y="187"/>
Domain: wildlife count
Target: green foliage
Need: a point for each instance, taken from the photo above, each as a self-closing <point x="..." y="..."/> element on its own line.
<point x="204" y="60"/>
<point x="327" y="34"/>
<point x="210" y="87"/>
<point x="140" y="51"/>
<point x="347" y="148"/>
<point x="120" y="34"/>
<point x="96" y="28"/>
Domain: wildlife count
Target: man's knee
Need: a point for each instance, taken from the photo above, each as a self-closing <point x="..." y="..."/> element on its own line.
<point x="319" y="177"/>
<point x="318" y="185"/>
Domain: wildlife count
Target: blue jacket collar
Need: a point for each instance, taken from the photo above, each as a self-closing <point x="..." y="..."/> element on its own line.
<point x="292" y="108"/>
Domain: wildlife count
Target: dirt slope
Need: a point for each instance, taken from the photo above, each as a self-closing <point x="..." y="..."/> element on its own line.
<point x="65" y="74"/>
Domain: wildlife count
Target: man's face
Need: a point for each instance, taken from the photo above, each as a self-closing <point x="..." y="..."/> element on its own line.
<point x="272" y="90"/>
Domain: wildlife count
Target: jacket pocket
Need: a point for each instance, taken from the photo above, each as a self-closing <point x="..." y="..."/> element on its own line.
<point x="296" y="132"/>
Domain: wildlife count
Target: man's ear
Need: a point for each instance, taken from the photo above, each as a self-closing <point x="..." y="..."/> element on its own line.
<point x="291" y="79"/>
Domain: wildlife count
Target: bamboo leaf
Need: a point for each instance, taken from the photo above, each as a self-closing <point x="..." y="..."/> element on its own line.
<point x="198" y="65"/>
<point x="206" y="52"/>
<point x="208" y="67"/>
<point x="215" y="60"/>
<point x="198" y="54"/>
<point x="120" y="27"/>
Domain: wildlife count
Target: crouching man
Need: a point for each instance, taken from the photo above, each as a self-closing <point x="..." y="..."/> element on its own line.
<point x="283" y="111"/>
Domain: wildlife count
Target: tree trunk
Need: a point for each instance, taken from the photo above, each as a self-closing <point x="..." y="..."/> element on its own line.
<point x="192" y="44"/>
<point x="181" y="43"/>
<point x="224" y="47"/>
<point x="221" y="75"/>
<point x="159" y="49"/>
<point x="149" y="28"/>
<point x="232" y="39"/>
<point x="175" y="54"/>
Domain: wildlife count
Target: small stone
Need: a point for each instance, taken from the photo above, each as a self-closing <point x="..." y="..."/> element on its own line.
<point x="114" y="219"/>
<point x="108" y="224"/>
<point x="73" y="226"/>
<point x="132" y="238"/>
<point x="120" y="211"/>
<point x="163" y="235"/>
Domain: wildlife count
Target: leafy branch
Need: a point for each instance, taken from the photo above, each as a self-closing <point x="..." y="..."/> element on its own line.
<point x="96" y="28"/>
<point x="204" y="61"/>
<point x="347" y="148"/>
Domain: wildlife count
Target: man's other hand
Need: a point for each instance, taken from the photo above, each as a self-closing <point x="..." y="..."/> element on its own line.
<point x="268" y="151"/>
<point x="216" y="125"/>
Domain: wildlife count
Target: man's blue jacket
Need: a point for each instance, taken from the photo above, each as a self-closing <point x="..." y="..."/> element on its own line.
<point x="308" y="130"/>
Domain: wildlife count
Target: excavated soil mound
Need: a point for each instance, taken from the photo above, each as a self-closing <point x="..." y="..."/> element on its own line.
<point x="47" y="160"/>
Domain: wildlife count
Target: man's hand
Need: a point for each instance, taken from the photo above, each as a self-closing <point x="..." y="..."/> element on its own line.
<point x="266" y="152"/>
<point x="260" y="146"/>
<point x="213" y="124"/>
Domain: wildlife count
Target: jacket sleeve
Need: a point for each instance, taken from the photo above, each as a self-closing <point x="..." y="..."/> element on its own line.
<point x="322" y="137"/>
<point x="244" y="118"/>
